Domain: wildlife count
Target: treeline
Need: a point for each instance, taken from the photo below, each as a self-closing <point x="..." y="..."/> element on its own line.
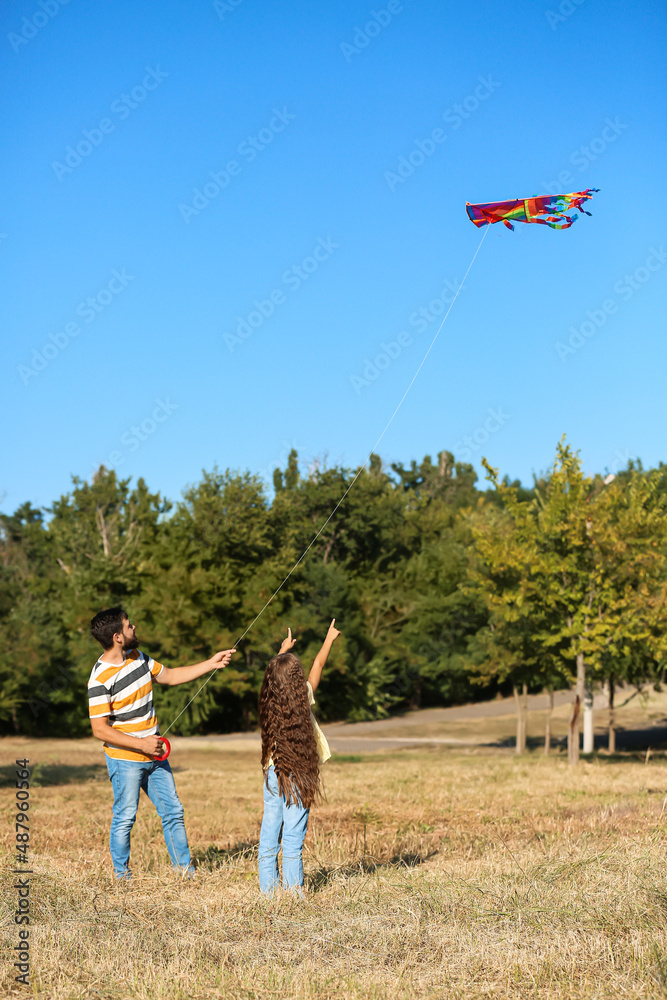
<point x="444" y="592"/>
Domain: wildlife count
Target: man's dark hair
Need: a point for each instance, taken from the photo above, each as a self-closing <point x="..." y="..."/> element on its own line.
<point x="105" y="624"/>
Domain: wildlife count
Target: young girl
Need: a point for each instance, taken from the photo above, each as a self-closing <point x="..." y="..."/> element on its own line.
<point x="293" y="747"/>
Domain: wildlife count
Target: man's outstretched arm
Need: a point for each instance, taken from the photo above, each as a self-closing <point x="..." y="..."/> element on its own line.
<point x="181" y="675"/>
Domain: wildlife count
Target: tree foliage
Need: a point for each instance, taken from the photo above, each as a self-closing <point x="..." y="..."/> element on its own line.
<point x="444" y="592"/>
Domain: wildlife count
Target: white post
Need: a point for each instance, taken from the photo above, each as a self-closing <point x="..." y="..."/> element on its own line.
<point x="588" y="719"/>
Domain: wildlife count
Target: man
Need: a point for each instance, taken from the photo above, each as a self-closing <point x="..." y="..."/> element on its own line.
<point x="120" y="700"/>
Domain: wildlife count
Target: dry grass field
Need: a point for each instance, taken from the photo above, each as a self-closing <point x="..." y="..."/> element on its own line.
<point x="453" y="873"/>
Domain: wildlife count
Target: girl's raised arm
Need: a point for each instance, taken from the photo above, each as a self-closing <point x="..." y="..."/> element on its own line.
<point x="321" y="658"/>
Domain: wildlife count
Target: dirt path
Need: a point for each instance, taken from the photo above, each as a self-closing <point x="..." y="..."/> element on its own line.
<point x="456" y="713"/>
<point x="364" y="737"/>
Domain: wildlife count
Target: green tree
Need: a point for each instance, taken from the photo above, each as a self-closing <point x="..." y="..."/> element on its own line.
<point x="573" y="580"/>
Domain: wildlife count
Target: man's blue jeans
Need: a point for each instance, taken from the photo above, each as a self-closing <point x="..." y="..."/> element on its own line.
<point x="281" y="822"/>
<point x="128" y="777"/>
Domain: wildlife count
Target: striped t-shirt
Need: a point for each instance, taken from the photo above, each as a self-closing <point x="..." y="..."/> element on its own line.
<point x="124" y="694"/>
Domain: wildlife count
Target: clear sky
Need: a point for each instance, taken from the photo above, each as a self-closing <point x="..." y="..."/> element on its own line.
<point x="159" y="320"/>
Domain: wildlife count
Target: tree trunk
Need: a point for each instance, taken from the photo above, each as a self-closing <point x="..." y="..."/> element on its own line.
<point x="102" y="528"/>
<point x="611" y="746"/>
<point x="581" y="676"/>
<point x="547" y="731"/>
<point x="589" y="739"/>
<point x="573" y="733"/>
<point x="524" y="706"/>
<point x="521" y="704"/>
<point x="416" y="697"/>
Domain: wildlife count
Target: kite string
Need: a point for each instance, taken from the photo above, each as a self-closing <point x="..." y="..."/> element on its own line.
<point x="344" y="496"/>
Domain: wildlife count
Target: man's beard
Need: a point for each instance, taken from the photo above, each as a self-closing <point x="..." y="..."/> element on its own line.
<point x="132" y="643"/>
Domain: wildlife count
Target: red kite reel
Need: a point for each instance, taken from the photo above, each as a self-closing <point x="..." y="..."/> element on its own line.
<point x="163" y="739"/>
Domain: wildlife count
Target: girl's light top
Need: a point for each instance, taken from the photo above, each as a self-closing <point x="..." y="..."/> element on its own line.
<point x="321" y="740"/>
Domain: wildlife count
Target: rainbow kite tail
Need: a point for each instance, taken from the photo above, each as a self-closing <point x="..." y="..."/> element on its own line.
<point x="546" y="210"/>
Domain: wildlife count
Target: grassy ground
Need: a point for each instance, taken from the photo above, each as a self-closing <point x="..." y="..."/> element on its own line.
<point x="431" y="873"/>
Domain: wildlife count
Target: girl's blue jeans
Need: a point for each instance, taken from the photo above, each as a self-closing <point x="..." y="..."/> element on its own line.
<point x="286" y="823"/>
<point x="128" y="777"/>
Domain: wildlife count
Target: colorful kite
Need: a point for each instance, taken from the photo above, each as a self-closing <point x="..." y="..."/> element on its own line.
<point x="530" y="210"/>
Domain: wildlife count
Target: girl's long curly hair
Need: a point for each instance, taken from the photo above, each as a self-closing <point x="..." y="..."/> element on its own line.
<point x="287" y="732"/>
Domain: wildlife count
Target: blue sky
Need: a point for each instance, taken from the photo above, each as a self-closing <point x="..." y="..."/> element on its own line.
<point x="309" y="236"/>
